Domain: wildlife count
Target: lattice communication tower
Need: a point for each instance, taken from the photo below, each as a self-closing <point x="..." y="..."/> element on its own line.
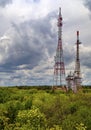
<point x="59" y="67"/>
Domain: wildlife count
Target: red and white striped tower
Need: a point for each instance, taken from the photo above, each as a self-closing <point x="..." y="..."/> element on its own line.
<point x="59" y="68"/>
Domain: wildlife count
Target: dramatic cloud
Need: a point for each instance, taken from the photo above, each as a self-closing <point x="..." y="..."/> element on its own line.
<point x="26" y="42"/>
<point x="25" y="45"/>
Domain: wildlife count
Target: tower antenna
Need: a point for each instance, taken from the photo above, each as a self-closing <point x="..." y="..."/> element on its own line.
<point x="59" y="67"/>
<point x="77" y="72"/>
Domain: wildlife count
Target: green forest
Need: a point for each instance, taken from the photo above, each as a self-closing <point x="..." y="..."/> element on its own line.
<point x="40" y="108"/>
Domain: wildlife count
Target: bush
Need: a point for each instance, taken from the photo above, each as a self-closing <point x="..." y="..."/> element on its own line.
<point x="33" y="118"/>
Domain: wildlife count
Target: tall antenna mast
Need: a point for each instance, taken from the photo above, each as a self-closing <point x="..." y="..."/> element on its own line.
<point x="77" y="64"/>
<point x="59" y="69"/>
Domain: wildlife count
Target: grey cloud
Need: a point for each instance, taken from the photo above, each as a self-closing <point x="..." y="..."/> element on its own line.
<point x="86" y="59"/>
<point x="27" y="44"/>
<point x="88" y="4"/>
<point x="69" y="54"/>
<point x="3" y="3"/>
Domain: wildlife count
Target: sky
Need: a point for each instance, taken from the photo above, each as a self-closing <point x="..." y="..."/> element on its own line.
<point x="28" y="40"/>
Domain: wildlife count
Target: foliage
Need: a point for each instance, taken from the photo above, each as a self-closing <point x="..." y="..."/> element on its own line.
<point x="81" y="127"/>
<point x="33" y="118"/>
<point x="4" y="95"/>
<point x="41" y="109"/>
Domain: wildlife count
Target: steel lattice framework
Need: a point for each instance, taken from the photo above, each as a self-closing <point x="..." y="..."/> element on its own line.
<point x="59" y="67"/>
